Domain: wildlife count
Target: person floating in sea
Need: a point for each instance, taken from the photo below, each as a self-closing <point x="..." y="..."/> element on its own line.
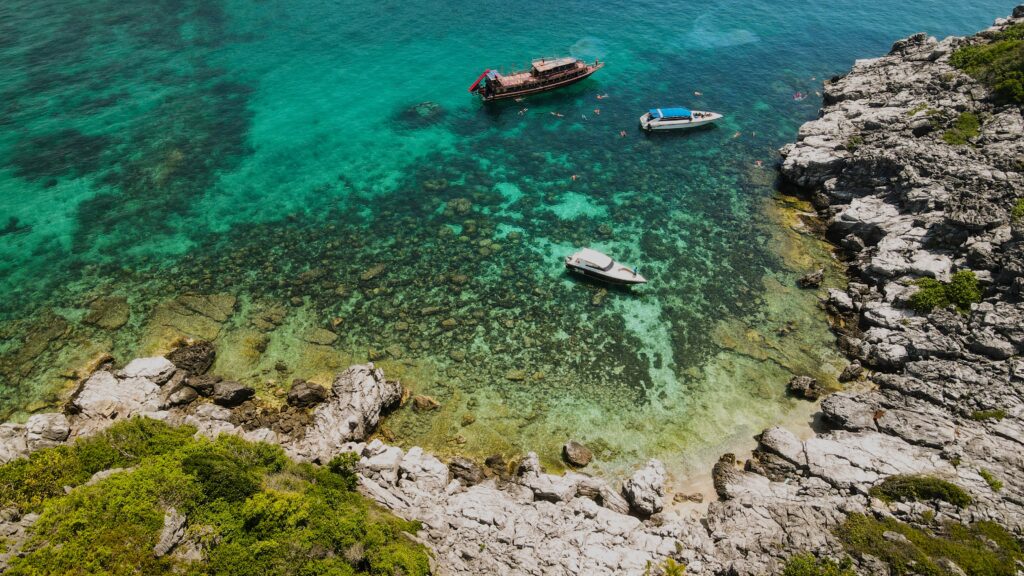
<point x="557" y="115"/>
<point x="523" y="111"/>
<point x="574" y="177"/>
<point x="602" y="96"/>
<point x="799" y="96"/>
<point x="696" y="93"/>
<point x="759" y="163"/>
<point x="622" y="133"/>
<point x="597" y="111"/>
<point x="737" y="134"/>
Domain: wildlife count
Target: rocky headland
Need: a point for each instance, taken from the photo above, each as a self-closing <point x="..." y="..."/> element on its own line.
<point x="935" y="388"/>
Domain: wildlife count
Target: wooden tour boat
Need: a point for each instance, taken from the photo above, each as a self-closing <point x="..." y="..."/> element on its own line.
<point x="545" y="74"/>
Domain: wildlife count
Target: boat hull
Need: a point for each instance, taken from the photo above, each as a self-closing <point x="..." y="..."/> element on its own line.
<point x="651" y="125"/>
<point x="620" y="281"/>
<point x="539" y="89"/>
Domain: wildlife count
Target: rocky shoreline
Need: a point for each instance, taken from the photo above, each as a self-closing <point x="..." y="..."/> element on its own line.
<point x="940" y="392"/>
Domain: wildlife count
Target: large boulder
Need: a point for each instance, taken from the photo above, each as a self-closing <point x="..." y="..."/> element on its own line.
<point x="804" y="387"/>
<point x="230" y="393"/>
<point x="157" y="369"/>
<point x="305" y="394"/>
<point x="46" y="430"/>
<point x="105" y="397"/>
<point x="195" y="359"/>
<point x="576" y="454"/>
<point x="352" y="410"/>
<point x="645" y="489"/>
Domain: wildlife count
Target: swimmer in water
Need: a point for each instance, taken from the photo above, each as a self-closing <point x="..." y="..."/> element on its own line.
<point x="597" y="111"/>
<point x="695" y="93"/>
<point x="602" y="96"/>
<point x="759" y="163"/>
<point x="737" y="134"/>
<point x="622" y="133"/>
<point x="557" y="115"/>
<point x="574" y="177"/>
<point x="523" y="111"/>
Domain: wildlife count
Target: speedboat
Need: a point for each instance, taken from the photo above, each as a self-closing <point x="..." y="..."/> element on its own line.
<point x="592" y="263"/>
<point x="677" y="119"/>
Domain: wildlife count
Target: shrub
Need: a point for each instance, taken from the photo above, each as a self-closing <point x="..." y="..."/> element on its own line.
<point x="344" y="466"/>
<point x="807" y="565"/>
<point x="308" y="524"/>
<point x="998" y="64"/>
<point x="854" y="142"/>
<point x="962" y="290"/>
<point x="966" y="127"/>
<point x="222" y="478"/>
<point x="1017" y="213"/>
<point x="983" y="548"/>
<point x="908" y="488"/>
<point x="981" y="415"/>
<point x="26" y="483"/>
<point x="995" y="483"/>
<point x="931" y="295"/>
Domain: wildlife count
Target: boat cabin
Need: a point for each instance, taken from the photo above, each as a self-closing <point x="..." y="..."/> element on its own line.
<point x="594" y="259"/>
<point x="548" y="66"/>
<point x="671" y="114"/>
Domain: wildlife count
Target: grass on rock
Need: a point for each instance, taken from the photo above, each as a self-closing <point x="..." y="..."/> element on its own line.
<point x="251" y="509"/>
<point x="914" y="488"/>
<point x="981" y="549"/>
<point x="982" y="415"/>
<point x="808" y="565"/>
<point x="995" y="483"/>
<point x="965" y="128"/>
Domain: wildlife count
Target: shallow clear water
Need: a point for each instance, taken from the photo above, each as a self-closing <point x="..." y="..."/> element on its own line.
<point x="309" y="184"/>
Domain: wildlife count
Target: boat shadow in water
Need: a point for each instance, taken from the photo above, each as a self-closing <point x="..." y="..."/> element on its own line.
<point x="626" y="289"/>
<point x="665" y="133"/>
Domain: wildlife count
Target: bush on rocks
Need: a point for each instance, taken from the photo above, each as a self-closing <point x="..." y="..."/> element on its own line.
<point x="998" y="64"/>
<point x="914" y="488"/>
<point x="965" y="128"/>
<point x="248" y="508"/>
<point x="961" y="291"/>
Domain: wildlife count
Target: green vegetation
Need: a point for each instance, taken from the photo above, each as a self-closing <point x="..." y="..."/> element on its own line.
<point x="854" y="142"/>
<point x="981" y="549"/>
<point x="920" y="107"/>
<point x="966" y="127"/>
<point x="962" y="290"/>
<point x="808" y="565"/>
<point x="995" y="483"/>
<point x="1017" y="213"/>
<point x="251" y="510"/>
<point x="667" y="568"/>
<point x="907" y="488"/>
<point x="981" y="415"/>
<point x="998" y="64"/>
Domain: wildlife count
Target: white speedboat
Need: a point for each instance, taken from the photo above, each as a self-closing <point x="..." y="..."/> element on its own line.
<point x="677" y="119"/>
<point x="592" y="263"/>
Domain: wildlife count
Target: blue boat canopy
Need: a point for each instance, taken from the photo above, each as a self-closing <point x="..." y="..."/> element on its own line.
<point x="670" y="113"/>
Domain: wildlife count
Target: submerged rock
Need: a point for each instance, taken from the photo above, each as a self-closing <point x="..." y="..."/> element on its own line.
<point x="196" y="359"/>
<point x="804" y="387"/>
<point x="576" y="454"/>
<point x="811" y="280"/>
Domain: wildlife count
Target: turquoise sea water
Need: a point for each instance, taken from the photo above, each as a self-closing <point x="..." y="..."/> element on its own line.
<point x="309" y="184"/>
